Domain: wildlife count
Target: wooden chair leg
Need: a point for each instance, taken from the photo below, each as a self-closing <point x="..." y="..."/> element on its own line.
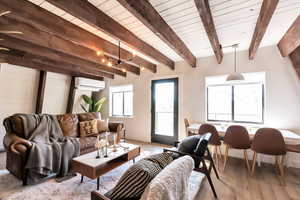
<point x="221" y="155"/>
<point x="247" y="160"/>
<point x="225" y="156"/>
<point x="253" y="163"/>
<point x="212" y="163"/>
<point x="207" y="173"/>
<point x="281" y="169"/>
<point x="217" y="156"/>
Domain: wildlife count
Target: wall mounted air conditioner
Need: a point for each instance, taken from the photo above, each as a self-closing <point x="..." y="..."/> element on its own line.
<point x="89" y="84"/>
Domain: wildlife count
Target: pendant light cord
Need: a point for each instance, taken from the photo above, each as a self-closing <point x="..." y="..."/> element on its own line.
<point x="235" y="59"/>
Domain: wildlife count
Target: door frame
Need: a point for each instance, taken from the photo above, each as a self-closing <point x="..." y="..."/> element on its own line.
<point x="161" y="138"/>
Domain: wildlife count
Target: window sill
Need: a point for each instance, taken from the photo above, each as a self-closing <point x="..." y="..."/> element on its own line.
<point x="122" y="117"/>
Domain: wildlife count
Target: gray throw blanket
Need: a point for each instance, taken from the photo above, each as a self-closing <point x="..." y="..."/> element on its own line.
<point x="51" y="152"/>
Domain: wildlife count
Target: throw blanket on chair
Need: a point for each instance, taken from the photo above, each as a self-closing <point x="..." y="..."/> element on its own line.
<point x="172" y="182"/>
<point x="51" y="152"/>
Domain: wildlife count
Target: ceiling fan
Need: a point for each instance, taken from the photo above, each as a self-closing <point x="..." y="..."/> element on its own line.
<point x="119" y="61"/>
<point x="7" y="32"/>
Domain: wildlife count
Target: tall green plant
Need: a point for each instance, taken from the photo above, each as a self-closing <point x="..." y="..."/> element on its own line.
<point x="93" y="105"/>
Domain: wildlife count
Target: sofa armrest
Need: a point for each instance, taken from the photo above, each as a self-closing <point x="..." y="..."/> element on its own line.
<point x="117" y="127"/>
<point x="13" y="143"/>
<point x="97" y="196"/>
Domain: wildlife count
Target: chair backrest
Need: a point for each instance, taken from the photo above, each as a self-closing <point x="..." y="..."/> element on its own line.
<point x="237" y="137"/>
<point x="268" y="141"/>
<point x="208" y="128"/>
<point x="202" y="144"/>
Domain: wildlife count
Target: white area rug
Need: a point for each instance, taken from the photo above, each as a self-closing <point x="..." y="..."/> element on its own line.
<point x="12" y="189"/>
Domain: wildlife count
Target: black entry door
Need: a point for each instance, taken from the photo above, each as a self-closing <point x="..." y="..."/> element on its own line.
<point x="164" y="111"/>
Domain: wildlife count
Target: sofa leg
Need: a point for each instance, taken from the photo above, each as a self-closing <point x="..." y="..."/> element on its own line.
<point x="25" y="177"/>
<point x="81" y="179"/>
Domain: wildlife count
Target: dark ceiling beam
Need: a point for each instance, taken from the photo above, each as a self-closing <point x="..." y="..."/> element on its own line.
<point x="25" y="46"/>
<point x="291" y="39"/>
<point x="50" y="41"/>
<point x="209" y="26"/>
<point x="91" y="15"/>
<point x="266" y="12"/>
<point x="146" y="13"/>
<point x="27" y="12"/>
<point x="11" y="58"/>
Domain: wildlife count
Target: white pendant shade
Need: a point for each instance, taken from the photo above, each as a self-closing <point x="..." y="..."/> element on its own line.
<point x="235" y="77"/>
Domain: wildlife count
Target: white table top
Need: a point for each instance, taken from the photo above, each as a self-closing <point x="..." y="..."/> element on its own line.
<point x="252" y="130"/>
<point x="90" y="159"/>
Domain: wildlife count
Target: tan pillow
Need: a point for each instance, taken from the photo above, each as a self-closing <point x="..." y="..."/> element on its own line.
<point x="102" y="125"/>
<point x="88" y="128"/>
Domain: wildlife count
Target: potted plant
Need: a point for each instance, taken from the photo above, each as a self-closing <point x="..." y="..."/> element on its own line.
<point x="91" y="105"/>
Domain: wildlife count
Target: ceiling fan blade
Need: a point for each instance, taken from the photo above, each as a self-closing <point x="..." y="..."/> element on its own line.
<point x="4" y="13"/>
<point x="4" y="49"/>
<point x="11" y="32"/>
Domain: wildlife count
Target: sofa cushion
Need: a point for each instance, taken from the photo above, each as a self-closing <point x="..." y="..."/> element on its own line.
<point x="17" y="125"/>
<point x="69" y="124"/>
<point x="88" y="128"/>
<point x="87" y="142"/>
<point x="102" y="125"/>
<point x="134" y="181"/>
<point x="88" y="116"/>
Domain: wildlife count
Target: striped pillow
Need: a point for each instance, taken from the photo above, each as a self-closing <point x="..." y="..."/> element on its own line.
<point x="162" y="159"/>
<point x="133" y="183"/>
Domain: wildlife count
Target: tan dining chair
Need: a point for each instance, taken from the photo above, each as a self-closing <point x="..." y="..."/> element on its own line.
<point x="187" y="124"/>
<point x="269" y="141"/>
<point x="237" y="137"/>
<point x="214" y="140"/>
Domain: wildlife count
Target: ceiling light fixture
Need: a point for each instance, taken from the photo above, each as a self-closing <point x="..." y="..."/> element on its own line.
<point x="235" y="76"/>
<point x="142" y="68"/>
<point x="98" y="53"/>
<point x="109" y="64"/>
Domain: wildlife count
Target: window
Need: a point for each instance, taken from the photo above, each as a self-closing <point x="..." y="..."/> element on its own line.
<point x="236" y="102"/>
<point x="121" y="101"/>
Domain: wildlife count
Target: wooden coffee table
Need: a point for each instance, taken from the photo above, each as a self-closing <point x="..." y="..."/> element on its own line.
<point x="88" y="165"/>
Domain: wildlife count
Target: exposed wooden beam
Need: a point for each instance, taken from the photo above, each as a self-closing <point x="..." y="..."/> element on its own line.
<point x="41" y="92"/>
<point x="71" y="96"/>
<point x="91" y="15"/>
<point x="146" y="13"/>
<point x="22" y="45"/>
<point x="208" y="23"/>
<point x="291" y="39"/>
<point x="266" y="12"/>
<point x="54" y="42"/>
<point x="27" y="12"/>
<point x="56" y="67"/>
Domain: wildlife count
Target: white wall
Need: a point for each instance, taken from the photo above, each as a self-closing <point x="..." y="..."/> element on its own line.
<point x="282" y="108"/>
<point x="18" y="86"/>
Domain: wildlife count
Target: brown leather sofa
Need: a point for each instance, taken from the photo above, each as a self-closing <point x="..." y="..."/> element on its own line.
<point x="17" y="147"/>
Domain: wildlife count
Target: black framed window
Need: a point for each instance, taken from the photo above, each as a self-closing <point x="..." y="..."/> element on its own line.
<point x="242" y="102"/>
<point x="121" y="101"/>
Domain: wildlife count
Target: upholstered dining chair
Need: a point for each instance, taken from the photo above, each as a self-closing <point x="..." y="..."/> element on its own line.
<point x="269" y="141"/>
<point x="237" y="137"/>
<point x="214" y="140"/>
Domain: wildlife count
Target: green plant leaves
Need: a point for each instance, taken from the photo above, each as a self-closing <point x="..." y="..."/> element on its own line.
<point x="94" y="106"/>
<point x="87" y="100"/>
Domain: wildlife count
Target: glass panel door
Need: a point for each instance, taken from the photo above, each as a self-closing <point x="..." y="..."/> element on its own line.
<point x="165" y="111"/>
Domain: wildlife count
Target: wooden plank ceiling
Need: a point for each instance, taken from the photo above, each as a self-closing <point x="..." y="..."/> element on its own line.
<point x="78" y="36"/>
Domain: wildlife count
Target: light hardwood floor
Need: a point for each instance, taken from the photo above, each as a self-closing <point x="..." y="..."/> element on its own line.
<point x="236" y="184"/>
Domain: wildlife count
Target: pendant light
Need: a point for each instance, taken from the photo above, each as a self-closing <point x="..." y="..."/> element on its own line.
<point x="235" y="76"/>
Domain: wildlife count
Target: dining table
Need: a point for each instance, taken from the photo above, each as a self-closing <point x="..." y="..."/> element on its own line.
<point x="289" y="136"/>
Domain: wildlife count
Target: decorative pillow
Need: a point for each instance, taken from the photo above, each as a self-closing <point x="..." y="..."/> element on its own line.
<point x="162" y="159"/>
<point x="88" y="128"/>
<point x="102" y="126"/>
<point x="134" y="181"/>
